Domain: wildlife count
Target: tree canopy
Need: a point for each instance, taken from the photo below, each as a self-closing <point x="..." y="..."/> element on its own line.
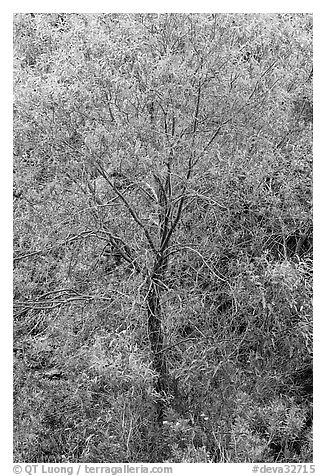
<point x="163" y="237"/>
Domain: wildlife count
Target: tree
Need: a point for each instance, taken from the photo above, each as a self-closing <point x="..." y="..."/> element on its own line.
<point x="131" y="138"/>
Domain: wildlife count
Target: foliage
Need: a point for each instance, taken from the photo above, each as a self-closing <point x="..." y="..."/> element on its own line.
<point x="163" y="237"/>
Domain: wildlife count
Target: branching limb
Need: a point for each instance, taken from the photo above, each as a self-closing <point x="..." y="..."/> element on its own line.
<point x="130" y="209"/>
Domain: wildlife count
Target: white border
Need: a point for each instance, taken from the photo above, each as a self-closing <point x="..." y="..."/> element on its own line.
<point x="319" y="194"/>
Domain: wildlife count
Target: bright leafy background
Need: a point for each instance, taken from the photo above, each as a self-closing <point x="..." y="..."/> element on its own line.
<point x="123" y="90"/>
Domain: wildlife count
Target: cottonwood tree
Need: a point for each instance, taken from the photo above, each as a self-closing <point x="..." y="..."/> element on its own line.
<point x="129" y="121"/>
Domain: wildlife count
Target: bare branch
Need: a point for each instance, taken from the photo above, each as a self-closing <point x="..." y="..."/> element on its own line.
<point x="132" y="212"/>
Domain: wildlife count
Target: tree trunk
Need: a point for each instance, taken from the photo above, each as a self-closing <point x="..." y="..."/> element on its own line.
<point x="156" y="336"/>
